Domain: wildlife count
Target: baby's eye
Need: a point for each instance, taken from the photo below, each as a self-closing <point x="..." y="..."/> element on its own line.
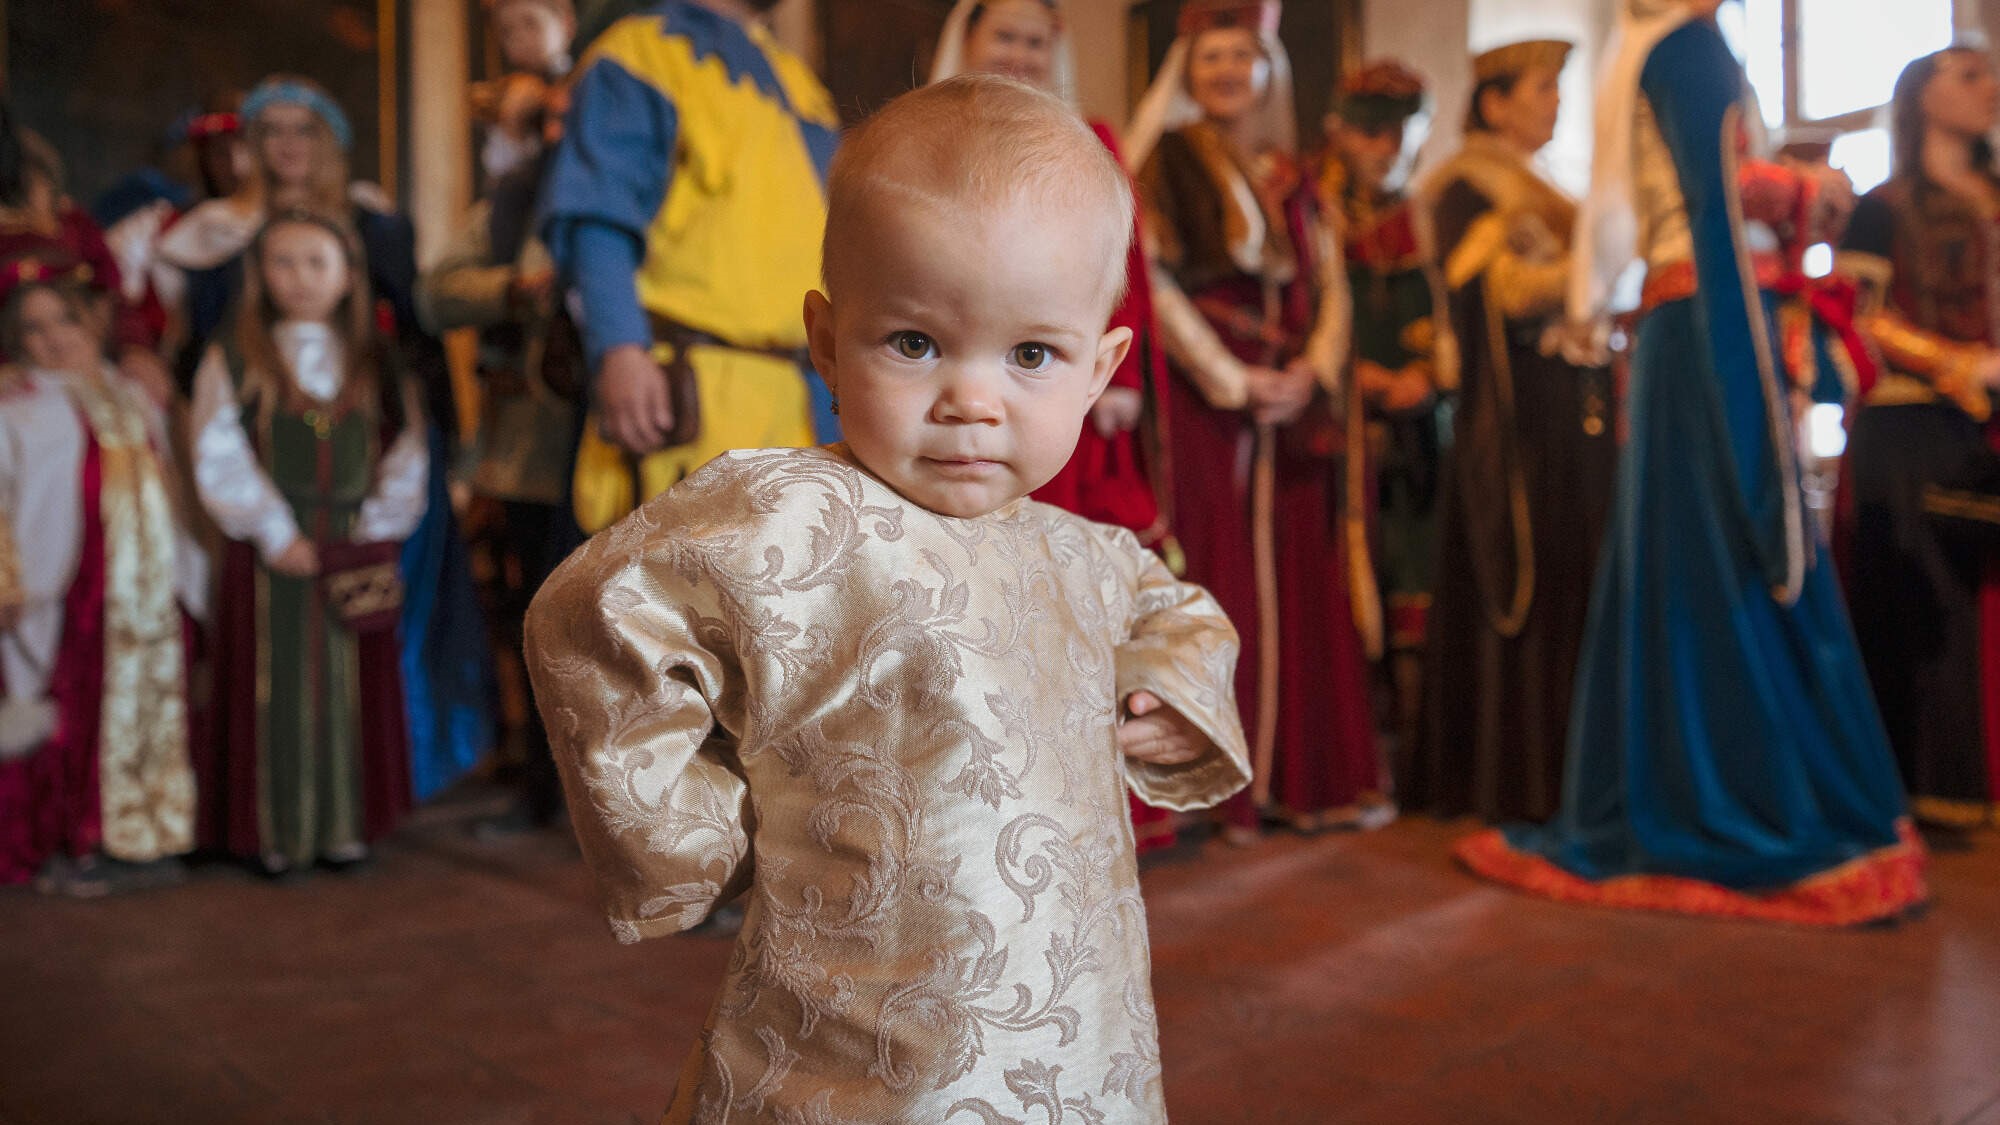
<point x="913" y="345"/>
<point x="1032" y="357"/>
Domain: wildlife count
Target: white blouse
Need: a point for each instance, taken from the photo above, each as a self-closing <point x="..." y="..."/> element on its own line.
<point x="232" y="482"/>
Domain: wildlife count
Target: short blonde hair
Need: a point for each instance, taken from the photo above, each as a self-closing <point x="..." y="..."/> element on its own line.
<point x="979" y="140"/>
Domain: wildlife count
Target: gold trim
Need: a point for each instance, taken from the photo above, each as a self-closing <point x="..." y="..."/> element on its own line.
<point x="1484" y="241"/>
<point x="1775" y="391"/>
<point x="1510" y="623"/>
<point x="1960" y="505"/>
<point x="1263" y="548"/>
<point x="1952" y="812"/>
<point x="1364" y="592"/>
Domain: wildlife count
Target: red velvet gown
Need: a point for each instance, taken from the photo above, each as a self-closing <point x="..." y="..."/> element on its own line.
<point x="1301" y="681"/>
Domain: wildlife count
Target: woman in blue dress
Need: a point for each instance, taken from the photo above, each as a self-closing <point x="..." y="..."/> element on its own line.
<point x="1725" y="754"/>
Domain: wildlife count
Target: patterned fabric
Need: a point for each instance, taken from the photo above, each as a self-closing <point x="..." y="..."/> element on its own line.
<point x="913" y="715"/>
<point x="102" y="563"/>
<point x="145" y="781"/>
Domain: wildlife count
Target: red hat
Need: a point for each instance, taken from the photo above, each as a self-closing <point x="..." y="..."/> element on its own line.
<point x="213" y="125"/>
<point x="1260" y="16"/>
<point x="50" y="265"/>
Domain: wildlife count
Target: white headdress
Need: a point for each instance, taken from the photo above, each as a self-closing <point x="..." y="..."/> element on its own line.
<point x="1607" y="224"/>
<point x="950" y="59"/>
<point x="1168" y="105"/>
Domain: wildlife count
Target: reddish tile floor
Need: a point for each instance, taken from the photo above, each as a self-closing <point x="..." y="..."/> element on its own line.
<point x="1340" y="979"/>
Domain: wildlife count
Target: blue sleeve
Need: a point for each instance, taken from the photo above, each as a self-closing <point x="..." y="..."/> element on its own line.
<point x="606" y="183"/>
<point x="602" y="262"/>
<point x="1694" y="83"/>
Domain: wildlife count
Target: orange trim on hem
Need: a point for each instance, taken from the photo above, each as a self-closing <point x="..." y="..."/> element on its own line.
<point x="1879" y="885"/>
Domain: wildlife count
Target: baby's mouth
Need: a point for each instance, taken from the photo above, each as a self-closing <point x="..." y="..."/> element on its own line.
<point x="963" y="468"/>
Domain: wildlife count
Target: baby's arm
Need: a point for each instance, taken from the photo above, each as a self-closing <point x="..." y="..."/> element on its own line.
<point x="1182" y="738"/>
<point x="627" y="665"/>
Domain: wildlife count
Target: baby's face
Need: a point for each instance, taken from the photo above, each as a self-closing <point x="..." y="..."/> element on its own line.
<point x="967" y="344"/>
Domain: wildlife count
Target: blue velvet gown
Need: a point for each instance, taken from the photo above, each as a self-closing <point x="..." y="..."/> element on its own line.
<point x="1723" y="734"/>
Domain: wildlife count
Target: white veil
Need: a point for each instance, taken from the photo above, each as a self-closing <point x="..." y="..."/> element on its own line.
<point x="1168" y="106"/>
<point x="1607" y="224"/>
<point x="950" y="59"/>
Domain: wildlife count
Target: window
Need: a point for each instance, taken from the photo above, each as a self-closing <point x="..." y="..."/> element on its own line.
<point x="1826" y="68"/>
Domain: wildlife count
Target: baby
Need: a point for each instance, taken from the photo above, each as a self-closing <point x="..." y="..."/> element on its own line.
<point x="893" y="698"/>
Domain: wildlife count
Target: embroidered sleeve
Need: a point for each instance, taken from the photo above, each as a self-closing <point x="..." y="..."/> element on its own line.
<point x="1182" y="649"/>
<point x="233" y="485"/>
<point x="629" y="649"/>
<point x="1867" y="258"/>
<point x="1333" y="330"/>
<point x="1192" y="343"/>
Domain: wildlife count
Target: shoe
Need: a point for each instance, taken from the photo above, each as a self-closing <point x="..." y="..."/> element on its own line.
<point x="346" y="857"/>
<point x="126" y="877"/>
<point x="83" y="878"/>
<point x="1238" y="836"/>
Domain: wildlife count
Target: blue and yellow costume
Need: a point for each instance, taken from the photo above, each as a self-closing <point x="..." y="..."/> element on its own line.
<point x="690" y="189"/>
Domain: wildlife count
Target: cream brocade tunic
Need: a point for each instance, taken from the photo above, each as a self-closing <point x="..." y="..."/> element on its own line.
<point x="898" y="730"/>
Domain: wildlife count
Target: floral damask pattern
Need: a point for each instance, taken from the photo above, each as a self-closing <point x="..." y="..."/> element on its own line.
<point x="897" y="731"/>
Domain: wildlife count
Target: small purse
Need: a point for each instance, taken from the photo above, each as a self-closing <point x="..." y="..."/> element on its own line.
<point x="362" y="584"/>
<point x="683" y="391"/>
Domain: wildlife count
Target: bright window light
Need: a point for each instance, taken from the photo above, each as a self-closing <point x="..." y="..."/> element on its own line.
<point x="1826" y="430"/>
<point x="1755" y="30"/>
<point x="1850" y="51"/>
<point x="1864" y="156"/>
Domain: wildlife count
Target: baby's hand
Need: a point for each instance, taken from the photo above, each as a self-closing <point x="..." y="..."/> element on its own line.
<point x="1157" y="734"/>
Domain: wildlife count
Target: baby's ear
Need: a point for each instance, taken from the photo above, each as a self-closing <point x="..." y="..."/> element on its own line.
<point x="1111" y="349"/>
<point x="819" y="337"/>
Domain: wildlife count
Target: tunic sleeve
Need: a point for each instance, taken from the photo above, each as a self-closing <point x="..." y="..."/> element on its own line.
<point x="1182" y="649"/>
<point x="1188" y="338"/>
<point x="396" y="505"/>
<point x="627" y="649"/>
<point x="233" y="485"/>
<point x="1526" y="270"/>
<point x="606" y="183"/>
